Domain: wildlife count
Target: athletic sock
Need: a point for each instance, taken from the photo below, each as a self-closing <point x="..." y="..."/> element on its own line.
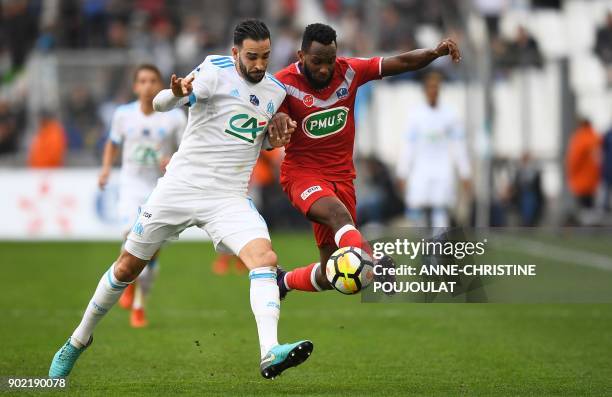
<point x="349" y="236"/>
<point x="265" y="303"/>
<point x="106" y="295"/>
<point x="303" y="278"/>
<point x="439" y="219"/>
<point x="144" y="282"/>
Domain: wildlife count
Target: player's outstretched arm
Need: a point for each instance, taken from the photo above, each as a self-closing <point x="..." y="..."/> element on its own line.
<point x="108" y="158"/>
<point x="418" y="59"/>
<point x="176" y="95"/>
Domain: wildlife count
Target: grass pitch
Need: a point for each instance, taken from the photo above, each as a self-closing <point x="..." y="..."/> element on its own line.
<point x="202" y="338"/>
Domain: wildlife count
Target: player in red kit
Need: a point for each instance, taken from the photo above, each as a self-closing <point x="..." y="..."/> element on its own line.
<point x="317" y="172"/>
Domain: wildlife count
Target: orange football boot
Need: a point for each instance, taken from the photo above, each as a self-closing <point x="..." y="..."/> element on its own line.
<point x="127" y="298"/>
<point x="138" y="318"/>
<point x="221" y="265"/>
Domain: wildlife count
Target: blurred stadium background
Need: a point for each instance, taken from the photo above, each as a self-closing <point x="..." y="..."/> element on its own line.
<point x="533" y="74"/>
<point x="531" y="71"/>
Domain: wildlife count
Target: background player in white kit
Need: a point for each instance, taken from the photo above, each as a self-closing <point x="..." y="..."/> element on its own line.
<point x="433" y="150"/>
<point x="232" y="100"/>
<point x="147" y="139"/>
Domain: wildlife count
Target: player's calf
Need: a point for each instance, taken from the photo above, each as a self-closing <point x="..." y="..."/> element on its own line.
<point x="110" y="287"/>
<point x="128" y="267"/>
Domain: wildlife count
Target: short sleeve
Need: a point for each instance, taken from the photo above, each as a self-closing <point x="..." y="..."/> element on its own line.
<point x="366" y="69"/>
<point x="117" y="133"/>
<point x="205" y="81"/>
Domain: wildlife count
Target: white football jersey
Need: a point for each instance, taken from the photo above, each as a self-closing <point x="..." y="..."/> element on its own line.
<point x="434" y="149"/>
<point x="145" y="140"/>
<point x="228" y="118"/>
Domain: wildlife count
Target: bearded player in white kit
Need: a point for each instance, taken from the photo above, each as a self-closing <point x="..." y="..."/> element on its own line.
<point x="147" y="140"/>
<point x="231" y="101"/>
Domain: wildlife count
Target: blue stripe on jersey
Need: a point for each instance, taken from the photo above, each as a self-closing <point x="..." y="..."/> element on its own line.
<point x="217" y="59"/>
<point x="224" y="65"/>
<point x="281" y="85"/>
<point x="228" y="62"/>
<point x="221" y="61"/>
<point x="192" y="99"/>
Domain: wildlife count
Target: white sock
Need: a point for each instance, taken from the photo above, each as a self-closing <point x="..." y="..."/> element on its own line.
<point x="439" y="217"/>
<point x="107" y="294"/>
<point x="313" y="277"/>
<point x="138" y="302"/>
<point x="144" y="282"/>
<point x="341" y="231"/>
<point x="265" y="304"/>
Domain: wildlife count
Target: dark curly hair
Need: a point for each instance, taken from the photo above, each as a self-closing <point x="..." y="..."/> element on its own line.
<point x="253" y="29"/>
<point x="320" y="33"/>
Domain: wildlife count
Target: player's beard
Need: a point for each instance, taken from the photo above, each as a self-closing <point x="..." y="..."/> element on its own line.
<point x="316" y="84"/>
<point x="249" y="77"/>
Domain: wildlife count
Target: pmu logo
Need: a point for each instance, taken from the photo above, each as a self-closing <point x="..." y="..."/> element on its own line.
<point x="245" y="127"/>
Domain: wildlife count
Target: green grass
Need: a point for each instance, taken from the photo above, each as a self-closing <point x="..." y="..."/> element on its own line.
<point x="360" y="349"/>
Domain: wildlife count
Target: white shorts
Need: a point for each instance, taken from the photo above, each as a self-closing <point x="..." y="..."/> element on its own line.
<point x="430" y="193"/>
<point x="231" y="220"/>
<point x="129" y="205"/>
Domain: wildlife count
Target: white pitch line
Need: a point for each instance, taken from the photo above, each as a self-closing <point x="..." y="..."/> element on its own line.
<point x="560" y="254"/>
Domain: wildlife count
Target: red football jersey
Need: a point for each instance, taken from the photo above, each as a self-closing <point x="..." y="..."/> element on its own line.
<point x="322" y="144"/>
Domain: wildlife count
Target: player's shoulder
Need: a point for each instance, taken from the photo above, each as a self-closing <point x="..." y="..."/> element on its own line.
<point x="218" y="62"/>
<point x="126" y="109"/>
<point x="358" y="64"/>
<point x="346" y="62"/>
<point x="276" y="85"/>
<point x="288" y="74"/>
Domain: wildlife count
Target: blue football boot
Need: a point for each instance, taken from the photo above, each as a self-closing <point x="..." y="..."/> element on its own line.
<point x="281" y="357"/>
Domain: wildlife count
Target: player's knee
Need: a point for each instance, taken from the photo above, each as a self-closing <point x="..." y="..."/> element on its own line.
<point x="265" y="258"/>
<point x="338" y="216"/>
<point x="270" y="258"/>
<point x="128" y="267"/>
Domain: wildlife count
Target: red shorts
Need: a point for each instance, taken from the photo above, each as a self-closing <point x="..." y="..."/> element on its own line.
<point x="303" y="191"/>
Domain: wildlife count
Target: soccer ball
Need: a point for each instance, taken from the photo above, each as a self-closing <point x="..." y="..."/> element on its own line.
<point x="349" y="270"/>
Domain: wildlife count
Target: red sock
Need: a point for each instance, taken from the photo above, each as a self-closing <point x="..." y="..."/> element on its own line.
<point x="300" y="278"/>
<point x="348" y="236"/>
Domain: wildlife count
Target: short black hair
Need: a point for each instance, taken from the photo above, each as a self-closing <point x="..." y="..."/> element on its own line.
<point x="253" y="29"/>
<point x="320" y="33"/>
<point x="147" y="66"/>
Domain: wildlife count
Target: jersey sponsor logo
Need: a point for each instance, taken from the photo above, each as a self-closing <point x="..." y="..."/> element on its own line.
<point x="270" y="108"/>
<point x="138" y="229"/>
<point x="308" y="100"/>
<point x="326" y="122"/>
<point x="145" y="155"/>
<point x="342" y="93"/>
<point x="235" y="93"/>
<point x="254" y="100"/>
<point x="308" y="192"/>
<point x="245" y="127"/>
